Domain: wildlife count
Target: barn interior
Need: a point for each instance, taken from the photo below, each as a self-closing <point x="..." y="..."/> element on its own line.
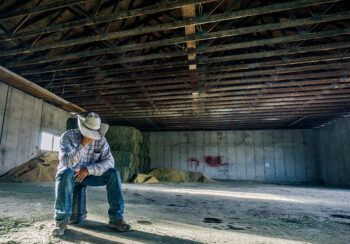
<point x="228" y="119"/>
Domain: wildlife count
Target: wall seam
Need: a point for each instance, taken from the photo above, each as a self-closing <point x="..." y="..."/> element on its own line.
<point x="4" y="114"/>
<point x="41" y="123"/>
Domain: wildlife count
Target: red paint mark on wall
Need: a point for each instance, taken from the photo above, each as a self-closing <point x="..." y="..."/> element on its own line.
<point x="193" y="162"/>
<point x="214" y="161"/>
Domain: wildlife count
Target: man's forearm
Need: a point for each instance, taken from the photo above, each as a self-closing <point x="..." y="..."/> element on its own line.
<point x="99" y="168"/>
<point x="69" y="159"/>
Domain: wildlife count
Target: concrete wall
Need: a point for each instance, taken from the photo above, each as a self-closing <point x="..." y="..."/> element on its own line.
<point x="333" y="153"/>
<point x="261" y="155"/>
<point x="22" y="118"/>
<point x="3" y="97"/>
<point x="266" y="155"/>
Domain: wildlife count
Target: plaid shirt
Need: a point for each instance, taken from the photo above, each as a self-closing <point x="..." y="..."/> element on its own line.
<point x="96" y="156"/>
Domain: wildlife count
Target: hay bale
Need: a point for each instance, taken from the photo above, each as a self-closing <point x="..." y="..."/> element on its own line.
<point x="143" y="149"/>
<point x="125" y="159"/>
<point x="199" y="177"/>
<point x="135" y="163"/>
<point x="129" y="150"/>
<point x="151" y="180"/>
<point x="144" y="164"/>
<point x="116" y="134"/>
<point x="176" y="175"/>
<point x="126" y="146"/>
<point x="140" y="178"/>
<point x="124" y="172"/>
<point x="169" y="175"/>
<point x="143" y="178"/>
<point x="127" y="163"/>
<point x="39" y="169"/>
<point x="126" y="139"/>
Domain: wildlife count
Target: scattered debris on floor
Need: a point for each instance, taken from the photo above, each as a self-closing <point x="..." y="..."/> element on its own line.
<point x="144" y="222"/>
<point x="176" y="213"/>
<point x="39" y="169"/>
<point x="212" y="220"/>
<point x="9" y="223"/>
<point x="168" y="175"/>
<point x="142" y="178"/>
<point x="341" y="218"/>
<point x="176" y="175"/>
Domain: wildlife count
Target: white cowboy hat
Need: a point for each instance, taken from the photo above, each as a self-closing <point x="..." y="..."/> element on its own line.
<point x="92" y="127"/>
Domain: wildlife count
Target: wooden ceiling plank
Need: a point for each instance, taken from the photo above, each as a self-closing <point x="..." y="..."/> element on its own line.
<point x="277" y="63"/>
<point x="241" y="77"/>
<point x="291" y="96"/>
<point x="155" y="8"/>
<point x="198" y="37"/>
<point x="23" y="84"/>
<point x="40" y="9"/>
<point x="202" y="49"/>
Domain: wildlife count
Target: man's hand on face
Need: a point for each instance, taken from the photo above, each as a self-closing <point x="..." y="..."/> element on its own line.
<point x="86" y="141"/>
<point x="81" y="174"/>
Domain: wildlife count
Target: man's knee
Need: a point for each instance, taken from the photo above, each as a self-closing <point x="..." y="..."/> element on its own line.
<point x="65" y="174"/>
<point x="112" y="172"/>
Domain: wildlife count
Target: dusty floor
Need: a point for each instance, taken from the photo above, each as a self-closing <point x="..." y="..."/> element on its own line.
<point x="225" y="212"/>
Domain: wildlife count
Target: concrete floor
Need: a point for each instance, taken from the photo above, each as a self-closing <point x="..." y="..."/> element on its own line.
<point x="224" y="212"/>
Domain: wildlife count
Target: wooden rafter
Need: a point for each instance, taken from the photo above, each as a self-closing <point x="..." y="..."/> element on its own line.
<point x="187" y="64"/>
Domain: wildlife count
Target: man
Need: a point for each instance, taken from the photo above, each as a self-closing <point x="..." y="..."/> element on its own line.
<point x="86" y="160"/>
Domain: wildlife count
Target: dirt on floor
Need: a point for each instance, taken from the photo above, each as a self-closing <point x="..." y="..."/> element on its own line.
<point x="221" y="212"/>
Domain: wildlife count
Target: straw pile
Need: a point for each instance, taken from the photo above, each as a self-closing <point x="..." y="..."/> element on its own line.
<point x="143" y="178"/>
<point x="176" y="175"/>
<point x="130" y="151"/>
<point x="40" y="169"/>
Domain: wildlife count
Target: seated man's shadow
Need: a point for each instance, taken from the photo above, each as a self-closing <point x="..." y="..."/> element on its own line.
<point x="107" y="235"/>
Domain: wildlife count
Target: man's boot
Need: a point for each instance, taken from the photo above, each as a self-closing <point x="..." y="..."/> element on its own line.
<point x="59" y="228"/>
<point x="79" y="205"/>
<point x="119" y="225"/>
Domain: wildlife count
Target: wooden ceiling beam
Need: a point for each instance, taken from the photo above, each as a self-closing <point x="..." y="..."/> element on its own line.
<point x="25" y="85"/>
<point x="275" y="75"/>
<point x="162" y="95"/>
<point x="333" y="98"/>
<point x="310" y="96"/>
<point x="40" y="9"/>
<point x="154" y="8"/>
<point x="196" y="37"/>
<point x="341" y="97"/>
<point x="210" y="86"/>
<point x="219" y="117"/>
<point x="330" y="101"/>
<point x="297" y="106"/>
<point x="189" y="12"/>
<point x="243" y="108"/>
<point x="200" y="60"/>
<point x="278" y="63"/>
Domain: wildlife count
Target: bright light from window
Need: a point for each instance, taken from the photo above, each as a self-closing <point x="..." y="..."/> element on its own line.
<point x="49" y="142"/>
<point x="46" y="141"/>
<point x="56" y="143"/>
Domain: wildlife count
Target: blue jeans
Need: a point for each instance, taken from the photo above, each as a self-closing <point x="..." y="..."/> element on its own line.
<point x="65" y="183"/>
